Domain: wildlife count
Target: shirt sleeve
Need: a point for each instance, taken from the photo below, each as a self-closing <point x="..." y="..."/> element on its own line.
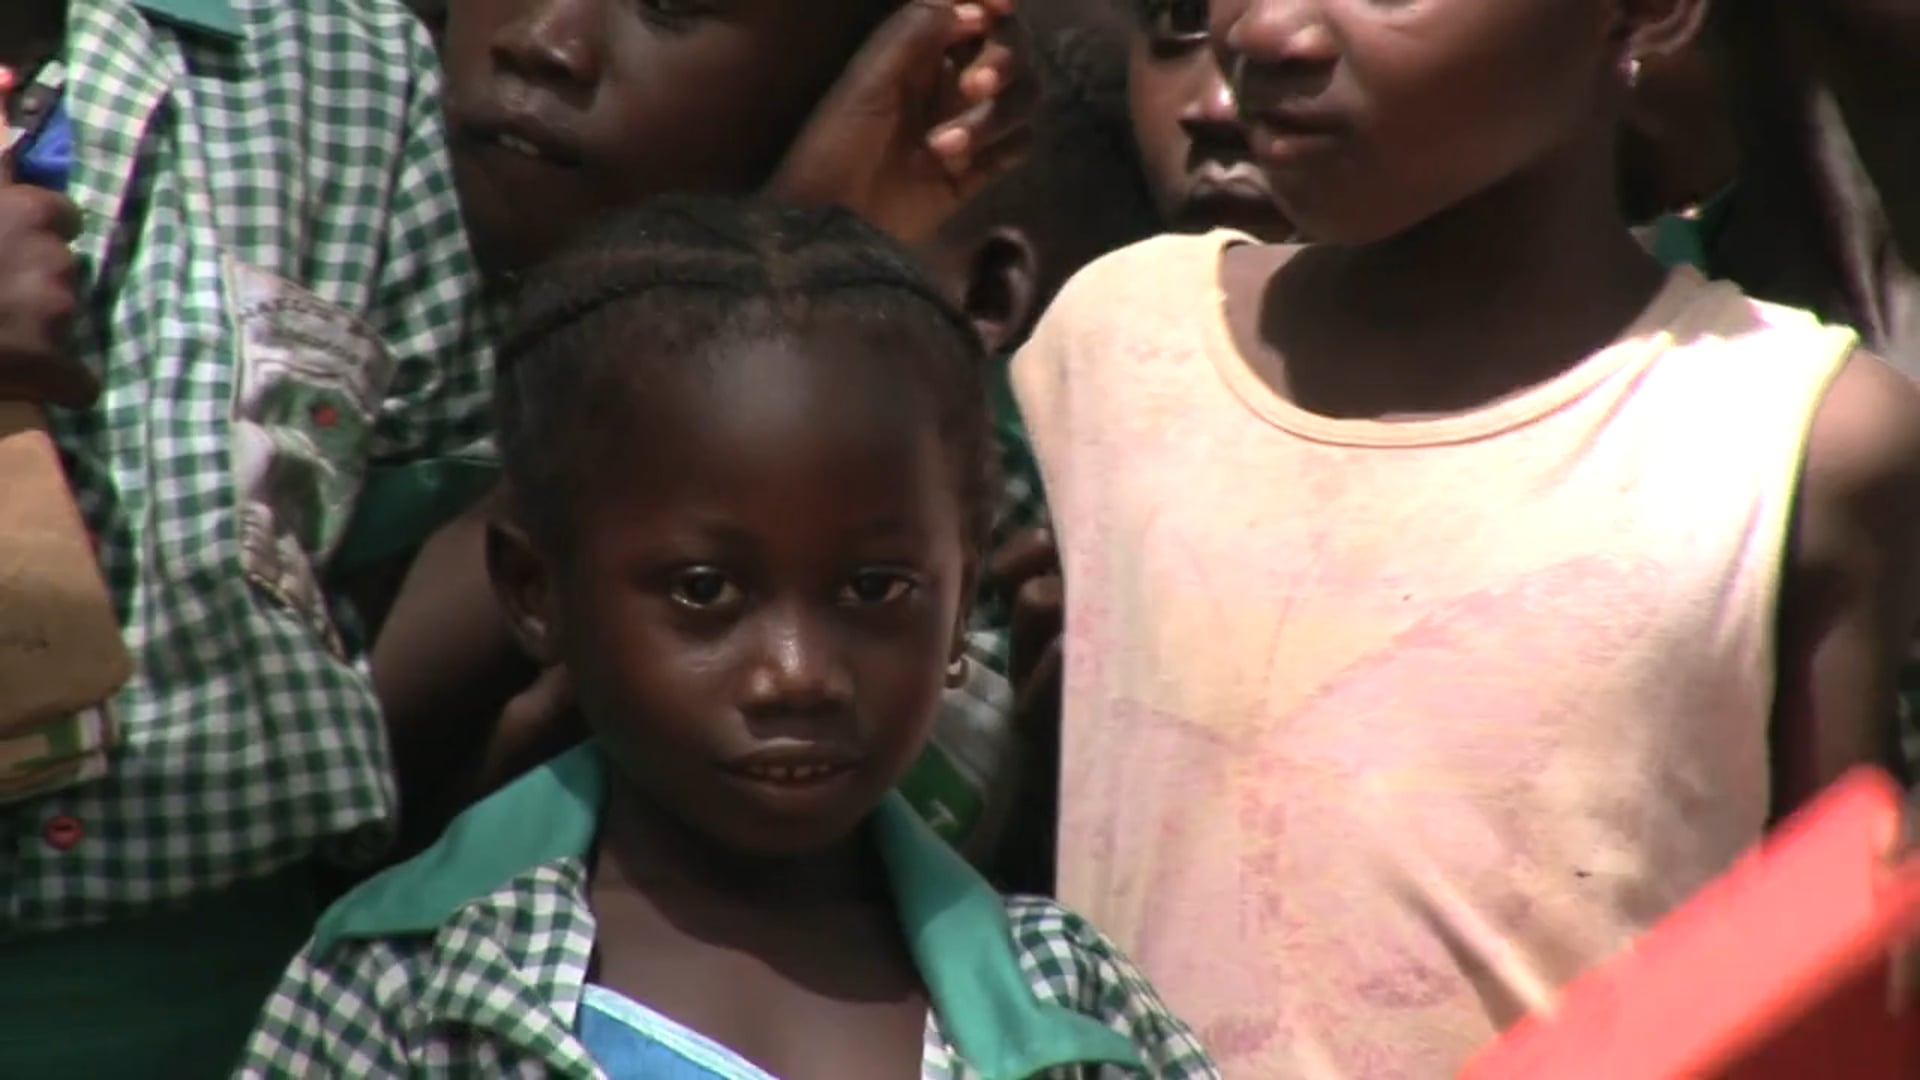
<point x="1075" y="966"/>
<point x="328" y="1018"/>
<point x="429" y="305"/>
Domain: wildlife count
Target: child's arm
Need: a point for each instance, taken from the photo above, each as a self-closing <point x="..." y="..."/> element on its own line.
<point x="1851" y="596"/>
<point x="329" y="1019"/>
<point x="908" y="135"/>
<point x="1076" y="967"/>
<point x="1027" y="567"/>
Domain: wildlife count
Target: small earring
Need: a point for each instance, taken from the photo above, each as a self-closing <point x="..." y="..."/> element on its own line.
<point x="958" y="671"/>
<point x="1633" y="72"/>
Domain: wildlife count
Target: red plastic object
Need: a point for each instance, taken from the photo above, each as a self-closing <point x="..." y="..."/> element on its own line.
<point x="1779" y="970"/>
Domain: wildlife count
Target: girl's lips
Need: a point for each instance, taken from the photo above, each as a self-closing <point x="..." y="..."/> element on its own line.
<point x="1281" y="145"/>
<point x="525" y="133"/>
<point x="797" y="765"/>
<point x="798" y="774"/>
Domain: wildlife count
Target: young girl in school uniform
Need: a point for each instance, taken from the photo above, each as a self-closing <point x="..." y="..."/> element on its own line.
<point x="748" y="466"/>
<point x="1448" y="600"/>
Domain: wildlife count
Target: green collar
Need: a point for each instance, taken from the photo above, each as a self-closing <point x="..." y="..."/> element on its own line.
<point x="1681" y="241"/>
<point x="215" y="17"/>
<point x="956" y="924"/>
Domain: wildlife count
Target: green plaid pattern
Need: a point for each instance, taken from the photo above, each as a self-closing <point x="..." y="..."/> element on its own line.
<point x="960" y="784"/>
<point x="310" y="147"/>
<point x="1022" y="506"/>
<point x="496" y="991"/>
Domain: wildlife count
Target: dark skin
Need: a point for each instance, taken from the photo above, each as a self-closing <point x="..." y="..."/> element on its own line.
<point x="1028" y="564"/>
<point x="1457" y="157"/>
<point x="560" y="110"/>
<point x="30" y="31"/>
<point x="1003" y="271"/>
<point x="1799" y="228"/>
<point x="37" y="272"/>
<point x="1193" y="149"/>
<point x="1677" y="145"/>
<point x="1867" y="54"/>
<point x="933" y="106"/>
<point x="776" y="582"/>
<point x="1784" y="236"/>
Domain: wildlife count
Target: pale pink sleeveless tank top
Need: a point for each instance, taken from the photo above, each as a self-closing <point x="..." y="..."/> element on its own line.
<point x="1377" y="732"/>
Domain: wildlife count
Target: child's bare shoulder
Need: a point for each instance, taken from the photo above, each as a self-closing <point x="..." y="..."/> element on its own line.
<point x="1865" y="443"/>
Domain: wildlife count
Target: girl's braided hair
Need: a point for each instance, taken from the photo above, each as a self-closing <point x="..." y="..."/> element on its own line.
<point x="681" y="276"/>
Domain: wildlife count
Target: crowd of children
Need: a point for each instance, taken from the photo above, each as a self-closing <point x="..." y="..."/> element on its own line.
<point x="728" y="539"/>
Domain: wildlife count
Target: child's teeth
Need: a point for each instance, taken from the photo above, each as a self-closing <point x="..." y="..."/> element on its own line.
<point x="519" y="145"/>
<point x="787" y="773"/>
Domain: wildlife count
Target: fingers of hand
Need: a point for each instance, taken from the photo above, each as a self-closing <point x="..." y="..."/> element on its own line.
<point x="550" y="696"/>
<point x="37" y="301"/>
<point x="1025" y="554"/>
<point x="1038" y="694"/>
<point x="996" y="70"/>
<point x="1039" y="617"/>
<point x="987" y="164"/>
<point x="989" y="139"/>
<point x="26" y="209"/>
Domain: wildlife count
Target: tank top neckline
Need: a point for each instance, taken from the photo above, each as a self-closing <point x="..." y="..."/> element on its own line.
<point x="1648" y="335"/>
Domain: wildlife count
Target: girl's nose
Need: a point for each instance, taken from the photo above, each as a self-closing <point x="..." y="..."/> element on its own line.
<point x="799" y="668"/>
<point x="555" y="43"/>
<point x="1275" y="32"/>
<point x="1210" y="116"/>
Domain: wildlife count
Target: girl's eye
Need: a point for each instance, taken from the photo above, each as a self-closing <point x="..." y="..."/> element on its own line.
<point x="702" y="589"/>
<point x="1177" y="20"/>
<point x="871" y="588"/>
<point x="674" y="12"/>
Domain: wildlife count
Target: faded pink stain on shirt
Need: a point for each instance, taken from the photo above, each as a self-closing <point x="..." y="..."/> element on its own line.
<point x="1376" y="733"/>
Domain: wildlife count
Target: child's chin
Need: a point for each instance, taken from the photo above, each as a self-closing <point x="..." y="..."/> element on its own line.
<point x="784" y="820"/>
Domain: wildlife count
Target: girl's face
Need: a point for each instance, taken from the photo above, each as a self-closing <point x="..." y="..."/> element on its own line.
<point x="1371" y="116"/>
<point x="559" y="110"/>
<point x="762" y="591"/>
<point x="1193" y="148"/>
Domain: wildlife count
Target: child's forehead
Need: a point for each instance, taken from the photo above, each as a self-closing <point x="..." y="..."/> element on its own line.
<point x="826" y="373"/>
<point x="783" y="420"/>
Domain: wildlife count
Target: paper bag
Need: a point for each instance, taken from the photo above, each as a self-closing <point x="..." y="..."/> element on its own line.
<point x="60" y="644"/>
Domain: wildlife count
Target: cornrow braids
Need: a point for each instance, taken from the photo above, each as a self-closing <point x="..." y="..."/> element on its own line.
<point x="678" y="277"/>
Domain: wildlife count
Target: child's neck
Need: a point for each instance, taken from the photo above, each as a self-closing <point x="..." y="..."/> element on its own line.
<point x="1533" y="244"/>
<point x="644" y="847"/>
<point x="1501" y="292"/>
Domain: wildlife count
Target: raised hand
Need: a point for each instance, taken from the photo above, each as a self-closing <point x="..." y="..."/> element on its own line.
<point x="936" y="104"/>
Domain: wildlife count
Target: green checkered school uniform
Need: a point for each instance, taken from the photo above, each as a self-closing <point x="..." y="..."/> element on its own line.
<point x="472" y="960"/>
<point x="275" y="292"/>
<point x="963" y="783"/>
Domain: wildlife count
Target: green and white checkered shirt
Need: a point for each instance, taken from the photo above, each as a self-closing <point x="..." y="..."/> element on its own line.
<point x="276" y="291"/>
<point x="415" y="975"/>
<point x="963" y="784"/>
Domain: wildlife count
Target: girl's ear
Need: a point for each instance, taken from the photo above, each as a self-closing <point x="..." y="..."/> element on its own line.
<point x="524" y="588"/>
<point x="1664" y="27"/>
<point x="1002" y="282"/>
